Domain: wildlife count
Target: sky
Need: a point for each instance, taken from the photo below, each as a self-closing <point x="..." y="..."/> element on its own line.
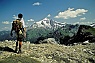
<point x="69" y="11"/>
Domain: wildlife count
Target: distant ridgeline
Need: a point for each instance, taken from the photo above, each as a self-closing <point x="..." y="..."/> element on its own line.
<point x="84" y="33"/>
<point x="67" y="34"/>
<point x="5" y="35"/>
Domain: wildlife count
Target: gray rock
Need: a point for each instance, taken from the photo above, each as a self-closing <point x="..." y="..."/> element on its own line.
<point x="49" y="40"/>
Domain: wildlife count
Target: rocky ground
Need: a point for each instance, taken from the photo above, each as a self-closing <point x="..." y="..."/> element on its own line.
<point x="47" y="53"/>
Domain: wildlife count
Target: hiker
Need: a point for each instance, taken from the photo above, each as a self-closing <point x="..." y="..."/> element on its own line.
<point x="18" y="26"/>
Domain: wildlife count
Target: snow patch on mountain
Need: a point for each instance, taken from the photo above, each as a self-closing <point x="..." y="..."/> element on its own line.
<point x="92" y="25"/>
<point x="47" y="23"/>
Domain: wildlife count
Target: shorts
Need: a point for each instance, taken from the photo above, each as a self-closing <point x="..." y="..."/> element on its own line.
<point x="19" y="36"/>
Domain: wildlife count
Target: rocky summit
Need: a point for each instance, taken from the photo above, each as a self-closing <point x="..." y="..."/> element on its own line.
<point x="47" y="53"/>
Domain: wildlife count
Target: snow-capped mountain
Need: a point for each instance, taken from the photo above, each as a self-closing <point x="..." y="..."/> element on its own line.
<point x="92" y="25"/>
<point x="43" y="23"/>
<point x="47" y="23"/>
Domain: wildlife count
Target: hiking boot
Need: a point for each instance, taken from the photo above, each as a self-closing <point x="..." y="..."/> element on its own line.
<point x="15" y="50"/>
<point x="19" y="51"/>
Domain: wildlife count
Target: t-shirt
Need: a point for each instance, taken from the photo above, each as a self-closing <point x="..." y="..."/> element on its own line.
<point x="22" y="20"/>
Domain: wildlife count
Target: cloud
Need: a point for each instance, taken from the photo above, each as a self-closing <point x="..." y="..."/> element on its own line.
<point x="30" y="20"/>
<point x="27" y="23"/>
<point x="71" y="13"/>
<point x="6" y="22"/>
<point x="81" y="19"/>
<point x="83" y="23"/>
<point x="49" y="15"/>
<point x="6" y="27"/>
<point x="36" y="4"/>
<point x="15" y="17"/>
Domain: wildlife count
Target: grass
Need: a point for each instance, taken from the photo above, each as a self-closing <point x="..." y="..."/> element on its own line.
<point x="52" y="53"/>
<point x="19" y="59"/>
<point x="91" y="30"/>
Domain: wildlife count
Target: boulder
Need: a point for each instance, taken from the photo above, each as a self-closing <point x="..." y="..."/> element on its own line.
<point x="49" y="40"/>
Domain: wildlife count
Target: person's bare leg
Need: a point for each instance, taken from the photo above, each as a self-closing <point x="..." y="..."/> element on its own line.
<point x="16" y="46"/>
<point x="20" y="45"/>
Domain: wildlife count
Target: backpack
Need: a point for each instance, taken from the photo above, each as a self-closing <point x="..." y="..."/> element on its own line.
<point x="17" y="25"/>
<point x="18" y="28"/>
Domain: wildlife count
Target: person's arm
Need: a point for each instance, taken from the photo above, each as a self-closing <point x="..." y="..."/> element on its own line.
<point x="24" y="27"/>
<point x="11" y="32"/>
